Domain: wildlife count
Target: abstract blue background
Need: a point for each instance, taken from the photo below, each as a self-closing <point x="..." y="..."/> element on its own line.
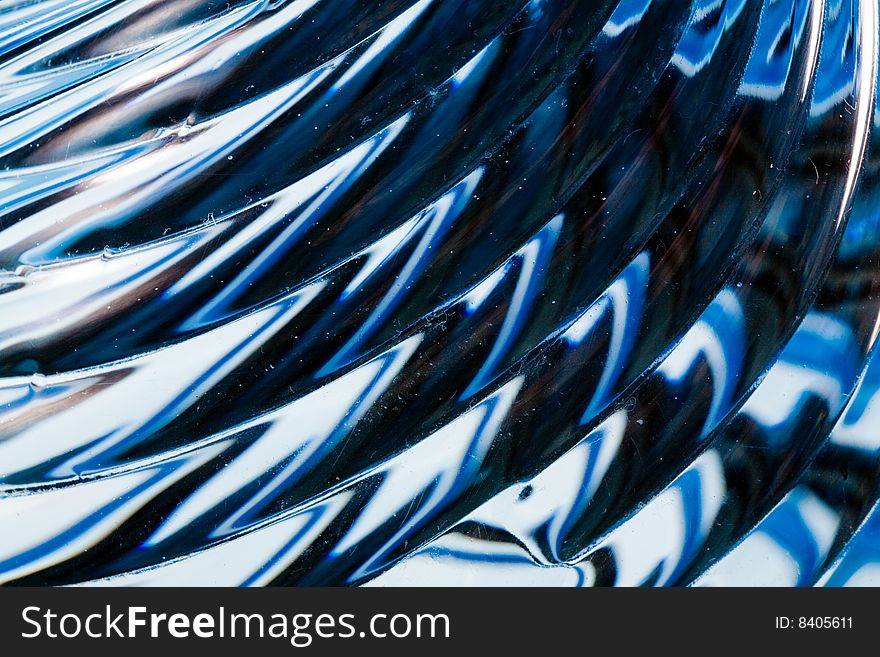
<point x="439" y="292"/>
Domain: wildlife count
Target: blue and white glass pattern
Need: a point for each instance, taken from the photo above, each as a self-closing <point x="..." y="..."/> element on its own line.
<point x="439" y="292"/>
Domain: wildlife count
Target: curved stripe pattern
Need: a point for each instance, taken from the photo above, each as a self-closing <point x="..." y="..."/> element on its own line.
<point x="553" y="292"/>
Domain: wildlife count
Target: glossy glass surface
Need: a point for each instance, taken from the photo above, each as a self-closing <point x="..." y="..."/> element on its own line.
<point x="456" y="292"/>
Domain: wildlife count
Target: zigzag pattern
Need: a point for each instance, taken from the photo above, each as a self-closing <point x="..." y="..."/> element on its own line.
<point x="576" y="292"/>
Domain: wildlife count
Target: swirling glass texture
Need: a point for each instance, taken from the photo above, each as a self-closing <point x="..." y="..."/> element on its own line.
<point x="412" y="292"/>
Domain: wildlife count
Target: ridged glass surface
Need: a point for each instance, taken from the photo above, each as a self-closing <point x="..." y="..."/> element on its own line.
<point x="457" y="292"/>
